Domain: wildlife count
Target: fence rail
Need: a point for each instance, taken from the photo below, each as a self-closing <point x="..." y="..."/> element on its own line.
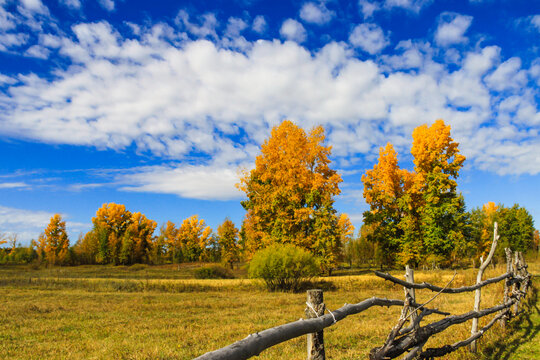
<point x="410" y="339"/>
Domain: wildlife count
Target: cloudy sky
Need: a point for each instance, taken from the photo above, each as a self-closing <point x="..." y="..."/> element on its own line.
<point x="158" y="104"/>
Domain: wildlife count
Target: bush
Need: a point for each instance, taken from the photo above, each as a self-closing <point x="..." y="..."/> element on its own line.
<point x="283" y="267"/>
<point x="213" y="272"/>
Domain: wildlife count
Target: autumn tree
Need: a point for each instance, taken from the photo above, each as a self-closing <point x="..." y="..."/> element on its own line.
<point x="384" y="189"/>
<point x="228" y="242"/>
<point x="417" y="213"/>
<point x="192" y="239"/>
<point x="137" y="241"/>
<point x="442" y="211"/>
<point x="290" y="193"/>
<point x="516" y="228"/>
<point x="54" y="242"/>
<point x="119" y="236"/>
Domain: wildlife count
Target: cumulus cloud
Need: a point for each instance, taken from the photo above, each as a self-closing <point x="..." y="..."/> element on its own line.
<point x="194" y="182"/>
<point x="106" y="4"/>
<point x="259" y="24"/>
<point x="293" y="30"/>
<point x="185" y="98"/>
<point x="204" y="27"/>
<point x="508" y="75"/>
<point x="411" y="5"/>
<point x="368" y="8"/>
<point x="316" y="13"/>
<point x="452" y="28"/>
<point x="368" y="37"/>
<point x="535" y="21"/>
<point x="33" y="6"/>
<point x="73" y="4"/>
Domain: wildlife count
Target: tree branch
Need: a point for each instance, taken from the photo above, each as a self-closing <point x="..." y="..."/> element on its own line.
<point x="432" y="287"/>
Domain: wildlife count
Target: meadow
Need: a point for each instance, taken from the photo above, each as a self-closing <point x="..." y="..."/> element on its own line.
<point x="162" y="312"/>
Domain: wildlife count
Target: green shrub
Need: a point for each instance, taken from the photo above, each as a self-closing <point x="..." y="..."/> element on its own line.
<point x="213" y="272"/>
<point x="283" y="267"/>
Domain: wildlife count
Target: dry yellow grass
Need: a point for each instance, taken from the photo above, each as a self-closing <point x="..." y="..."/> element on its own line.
<point x="75" y="317"/>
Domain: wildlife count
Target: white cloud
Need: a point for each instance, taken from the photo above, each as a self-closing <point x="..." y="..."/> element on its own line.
<point x="535" y="21"/>
<point x="179" y="99"/>
<point x="235" y="26"/>
<point x="293" y="30"/>
<point x="452" y="28"/>
<point x="7" y="19"/>
<point x="28" y="224"/>
<point x="106" y="4"/>
<point x="13" y="185"/>
<point x="73" y="4"/>
<point x="193" y="182"/>
<point x="316" y="13"/>
<point x="259" y="24"/>
<point x="368" y="37"/>
<point x="37" y="51"/>
<point x="368" y="8"/>
<point x="9" y="40"/>
<point x="507" y="76"/>
<point x="411" y="5"/>
<point x="206" y="26"/>
<point x="34" y="6"/>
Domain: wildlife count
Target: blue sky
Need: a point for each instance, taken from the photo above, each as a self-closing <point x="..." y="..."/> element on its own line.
<point x="158" y="104"/>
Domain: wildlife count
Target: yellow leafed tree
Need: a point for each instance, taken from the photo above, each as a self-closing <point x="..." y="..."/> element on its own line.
<point x="193" y="237"/>
<point x="228" y="242"/>
<point x="290" y="193"/>
<point x="54" y="242"/>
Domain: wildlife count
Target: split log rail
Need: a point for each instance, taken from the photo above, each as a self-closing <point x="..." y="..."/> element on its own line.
<point x="408" y="341"/>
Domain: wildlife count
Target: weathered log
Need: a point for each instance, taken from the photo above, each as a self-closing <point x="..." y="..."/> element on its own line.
<point x="421" y="335"/>
<point x="425" y="285"/>
<point x="254" y="344"/>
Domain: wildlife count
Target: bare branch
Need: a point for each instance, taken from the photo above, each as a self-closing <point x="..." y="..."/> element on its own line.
<point x="422" y="334"/>
<point x="432" y="287"/>
<point x="437" y="352"/>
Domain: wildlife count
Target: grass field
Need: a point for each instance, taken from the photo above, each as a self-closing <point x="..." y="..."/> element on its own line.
<point x="144" y="312"/>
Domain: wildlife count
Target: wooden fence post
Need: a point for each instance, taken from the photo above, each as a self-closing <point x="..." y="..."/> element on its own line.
<point x="315" y="308"/>
<point x="477" y="294"/>
<point x="409" y="277"/>
<point x="504" y="319"/>
<point x="516" y="286"/>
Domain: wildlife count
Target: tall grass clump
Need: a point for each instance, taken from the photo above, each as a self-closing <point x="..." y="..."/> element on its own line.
<point x="283" y="267"/>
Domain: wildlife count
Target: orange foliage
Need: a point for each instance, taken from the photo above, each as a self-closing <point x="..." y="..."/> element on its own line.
<point x="54" y="242"/>
<point x="289" y="188"/>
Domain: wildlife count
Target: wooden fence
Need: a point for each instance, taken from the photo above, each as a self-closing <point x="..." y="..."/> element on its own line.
<point x="403" y="340"/>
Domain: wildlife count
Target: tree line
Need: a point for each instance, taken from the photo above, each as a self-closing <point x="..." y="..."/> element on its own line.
<point x="415" y="217"/>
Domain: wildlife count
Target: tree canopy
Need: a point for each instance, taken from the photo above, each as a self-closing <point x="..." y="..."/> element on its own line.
<point x="290" y="194"/>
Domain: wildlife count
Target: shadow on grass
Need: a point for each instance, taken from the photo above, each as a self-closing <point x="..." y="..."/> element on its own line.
<point x="521" y="331"/>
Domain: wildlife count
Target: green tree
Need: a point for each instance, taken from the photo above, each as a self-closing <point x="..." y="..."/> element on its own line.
<point x="417" y="214"/>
